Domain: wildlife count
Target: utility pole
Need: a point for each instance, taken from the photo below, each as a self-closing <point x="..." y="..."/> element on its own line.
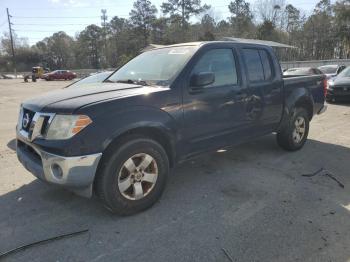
<point x="12" y="47"/>
<point x="103" y="22"/>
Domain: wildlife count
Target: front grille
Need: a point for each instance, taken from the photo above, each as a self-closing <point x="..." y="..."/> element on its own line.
<point x="27" y="119"/>
<point x="33" y="124"/>
<point x="343" y="89"/>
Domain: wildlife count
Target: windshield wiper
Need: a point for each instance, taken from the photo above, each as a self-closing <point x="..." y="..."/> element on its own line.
<point x="131" y="81"/>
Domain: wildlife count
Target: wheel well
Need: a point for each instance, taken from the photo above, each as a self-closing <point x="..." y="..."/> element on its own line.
<point x="149" y="132"/>
<point x="307" y="105"/>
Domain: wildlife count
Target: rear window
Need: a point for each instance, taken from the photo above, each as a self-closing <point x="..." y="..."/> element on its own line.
<point x="254" y="65"/>
<point x="266" y="62"/>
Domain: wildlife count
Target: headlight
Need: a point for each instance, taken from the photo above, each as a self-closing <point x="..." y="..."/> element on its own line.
<point x="330" y="84"/>
<point x="66" y="126"/>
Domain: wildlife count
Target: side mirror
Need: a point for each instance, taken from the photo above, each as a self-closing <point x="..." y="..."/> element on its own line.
<point x="202" y="79"/>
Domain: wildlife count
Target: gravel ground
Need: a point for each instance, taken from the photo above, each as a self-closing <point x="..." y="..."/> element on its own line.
<point x="251" y="201"/>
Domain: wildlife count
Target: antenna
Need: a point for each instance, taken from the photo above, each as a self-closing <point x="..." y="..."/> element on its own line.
<point x="11" y="38"/>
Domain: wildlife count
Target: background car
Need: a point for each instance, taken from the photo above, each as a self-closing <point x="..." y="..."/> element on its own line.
<point x="60" y="75"/>
<point x="331" y="70"/>
<point x="339" y="87"/>
<point x="302" y="71"/>
<point x="92" y="79"/>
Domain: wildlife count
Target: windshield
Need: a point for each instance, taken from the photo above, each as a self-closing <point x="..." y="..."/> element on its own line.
<point x="95" y="78"/>
<point x="329" y="69"/>
<point x="345" y="72"/>
<point x="155" y="67"/>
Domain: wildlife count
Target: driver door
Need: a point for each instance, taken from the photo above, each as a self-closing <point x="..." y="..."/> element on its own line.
<point x="213" y="113"/>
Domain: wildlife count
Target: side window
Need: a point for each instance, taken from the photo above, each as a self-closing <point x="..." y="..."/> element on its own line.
<point x="222" y="63"/>
<point x="266" y="62"/>
<point x="254" y="65"/>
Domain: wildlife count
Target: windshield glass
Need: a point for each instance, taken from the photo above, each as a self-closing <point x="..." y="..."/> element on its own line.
<point x="329" y="69"/>
<point x="93" y="79"/>
<point x="345" y="72"/>
<point x="98" y="77"/>
<point x="155" y="67"/>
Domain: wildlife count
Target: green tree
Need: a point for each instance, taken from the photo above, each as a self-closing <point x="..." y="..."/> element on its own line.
<point x="184" y="8"/>
<point x="208" y="28"/>
<point x="293" y="18"/>
<point x="267" y="31"/>
<point x="342" y="26"/>
<point x="57" y="50"/>
<point x="142" y="17"/>
<point x="89" y="47"/>
<point x="241" y="18"/>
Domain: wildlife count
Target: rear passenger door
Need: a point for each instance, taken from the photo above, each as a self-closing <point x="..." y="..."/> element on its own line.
<point x="265" y="103"/>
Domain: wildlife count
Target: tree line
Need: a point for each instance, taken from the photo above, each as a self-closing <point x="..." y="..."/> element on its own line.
<point x="325" y="34"/>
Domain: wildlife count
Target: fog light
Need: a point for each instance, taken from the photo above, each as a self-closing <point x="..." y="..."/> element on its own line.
<point x="56" y="170"/>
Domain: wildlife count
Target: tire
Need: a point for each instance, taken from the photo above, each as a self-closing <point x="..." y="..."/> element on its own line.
<point x="330" y="100"/>
<point x="113" y="171"/>
<point x="287" y="138"/>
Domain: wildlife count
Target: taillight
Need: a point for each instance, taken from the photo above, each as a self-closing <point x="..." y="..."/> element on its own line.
<point x="325" y="87"/>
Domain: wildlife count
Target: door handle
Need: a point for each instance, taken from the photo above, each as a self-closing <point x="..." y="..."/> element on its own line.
<point x="196" y="90"/>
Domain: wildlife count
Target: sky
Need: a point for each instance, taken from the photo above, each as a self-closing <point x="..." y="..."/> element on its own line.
<point x="35" y="20"/>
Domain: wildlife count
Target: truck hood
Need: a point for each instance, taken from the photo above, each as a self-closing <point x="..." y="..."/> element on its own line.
<point x="69" y="99"/>
<point x="341" y="81"/>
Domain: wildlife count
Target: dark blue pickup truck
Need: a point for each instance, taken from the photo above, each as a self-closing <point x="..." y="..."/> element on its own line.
<point x="119" y="139"/>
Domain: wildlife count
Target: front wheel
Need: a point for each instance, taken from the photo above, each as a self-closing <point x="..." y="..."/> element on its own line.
<point x="132" y="175"/>
<point x="293" y="135"/>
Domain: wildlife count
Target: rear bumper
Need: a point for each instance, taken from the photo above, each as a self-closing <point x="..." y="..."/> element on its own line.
<point x="76" y="173"/>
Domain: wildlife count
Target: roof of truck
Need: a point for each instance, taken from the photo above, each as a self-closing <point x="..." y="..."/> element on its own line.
<point x="203" y="43"/>
<point x="223" y="40"/>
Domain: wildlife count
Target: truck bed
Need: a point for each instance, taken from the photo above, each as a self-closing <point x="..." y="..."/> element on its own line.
<point x="314" y="84"/>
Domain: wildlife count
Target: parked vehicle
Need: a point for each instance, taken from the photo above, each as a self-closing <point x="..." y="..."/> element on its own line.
<point x="119" y="138"/>
<point x="331" y="70"/>
<point x="302" y="71"/>
<point x="60" y="75"/>
<point x="92" y="79"/>
<point x="38" y="71"/>
<point x="339" y="87"/>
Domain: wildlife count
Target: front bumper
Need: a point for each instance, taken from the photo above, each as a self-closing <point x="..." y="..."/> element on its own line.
<point x="76" y="173"/>
<point x="338" y="93"/>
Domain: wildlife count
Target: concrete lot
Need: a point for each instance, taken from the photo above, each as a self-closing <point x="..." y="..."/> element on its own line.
<point x="251" y="201"/>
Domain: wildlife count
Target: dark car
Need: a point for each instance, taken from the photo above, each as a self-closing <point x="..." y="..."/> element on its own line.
<point x="331" y="70"/>
<point x="118" y="139"/>
<point x="302" y="71"/>
<point x="339" y="87"/>
<point x="60" y="75"/>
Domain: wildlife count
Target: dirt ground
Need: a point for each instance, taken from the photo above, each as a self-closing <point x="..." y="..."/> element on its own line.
<point x="250" y="203"/>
